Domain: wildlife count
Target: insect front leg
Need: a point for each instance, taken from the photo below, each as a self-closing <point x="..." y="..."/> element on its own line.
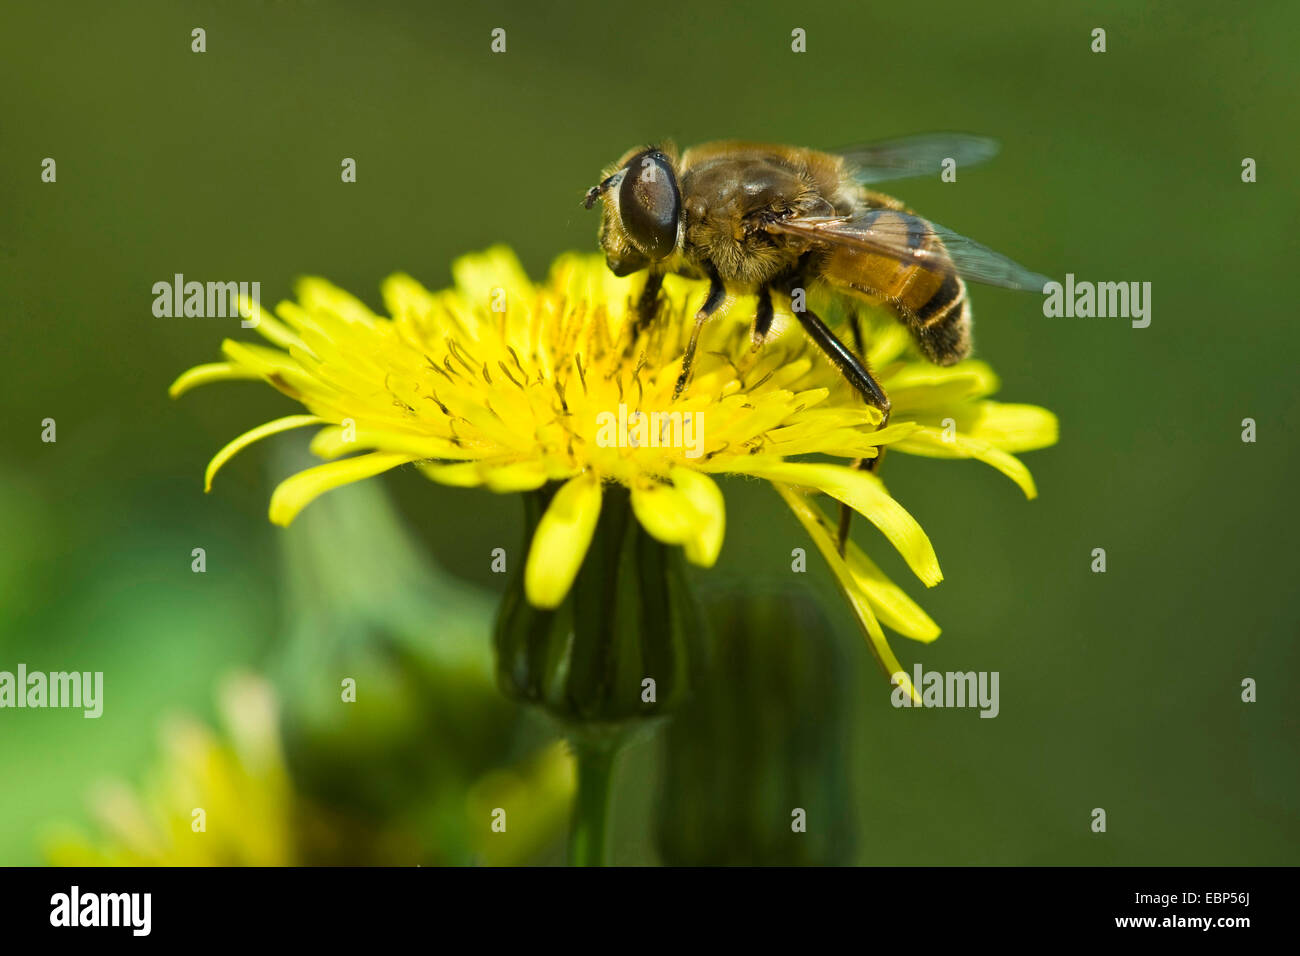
<point x="763" y="316"/>
<point x="646" y="308"/>
<point x="717" y="300"/>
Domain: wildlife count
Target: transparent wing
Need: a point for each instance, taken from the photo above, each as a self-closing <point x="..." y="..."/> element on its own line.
<point x="916" y="155"/>
<point x="902" y="236"/>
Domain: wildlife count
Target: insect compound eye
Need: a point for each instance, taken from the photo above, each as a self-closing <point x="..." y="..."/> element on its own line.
<point x="649" y="203"/>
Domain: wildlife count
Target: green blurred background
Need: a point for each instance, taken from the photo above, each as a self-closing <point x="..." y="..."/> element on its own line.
<point x="1119" y="690"/>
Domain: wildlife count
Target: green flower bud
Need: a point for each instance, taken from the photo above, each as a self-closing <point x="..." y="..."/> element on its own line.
<point x="756" y="768"/>
<point x="616" y="649"/>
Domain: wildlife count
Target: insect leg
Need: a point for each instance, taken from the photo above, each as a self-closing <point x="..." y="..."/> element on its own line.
<point x="850" y="366"/>
<point x="859" y="343"/>
<point x="647" y="306"/>
<point x="715" y="300"/>
<point x="763" y="317"/>
<point x="855" y="370"/>
<point x="870" y="464"/>
<point x="855" y="323"/>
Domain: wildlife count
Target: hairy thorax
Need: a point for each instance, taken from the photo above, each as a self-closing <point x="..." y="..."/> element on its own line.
<point x="726" y="201"/>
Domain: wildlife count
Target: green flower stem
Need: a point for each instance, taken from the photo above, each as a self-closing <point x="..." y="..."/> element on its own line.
<point x="611" y="662"/>
<point x="589" y="831"/>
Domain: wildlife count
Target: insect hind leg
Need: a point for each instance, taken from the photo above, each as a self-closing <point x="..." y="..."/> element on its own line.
<point x="861" y="464"/>
<point x="871" y="390"/>
<point x="850" y="366"/>
<point x="855" y="371"/>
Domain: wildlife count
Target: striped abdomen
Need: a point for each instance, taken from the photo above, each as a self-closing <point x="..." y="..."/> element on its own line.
<point x="930" y="300"/>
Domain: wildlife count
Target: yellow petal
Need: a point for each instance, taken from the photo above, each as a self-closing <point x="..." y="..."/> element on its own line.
<point x="887" y="344"/>
<point x="273" y="365"/>
<point x="402" y="295"/>
<point x="259" y="358"/>
<point x="812" y="435"/>
<point x="212" y="372"/>
<point x="503" y="478"/>
<point x="703" y="546"/>
<point x="272" y="329"/>
<point x="517" y="476"/>
<point x="326" y="301"/>
<point x="865" y="494"/>
<point x="256" y="434"/>
<point x="481" y="276"/>
<point x="295" y="493"/>
<point x="931" y="443"/>
<point x="334" y="441"/>
<point x="462" y="474"/>
<point x="819" y="530"/>
<point x="664" y="511"/>
<point x="560" y="543"/>
<point x="890" y="602"/>
<point x="920" y="385"/>
<point x="690" y="512"/>
<point x="1009" y="465"/>
<point x="1014" y="427"/>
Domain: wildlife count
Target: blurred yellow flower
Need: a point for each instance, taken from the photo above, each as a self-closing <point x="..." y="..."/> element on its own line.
<point x="212" y="801"/>
<point x="510" y="384"/>
<point x="226" y="799"/>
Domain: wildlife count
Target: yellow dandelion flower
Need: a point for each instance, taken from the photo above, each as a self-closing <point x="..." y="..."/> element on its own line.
<point x="225" y="797"/>
<point x="513" y="385"/>
<point x="218" y="799"/>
